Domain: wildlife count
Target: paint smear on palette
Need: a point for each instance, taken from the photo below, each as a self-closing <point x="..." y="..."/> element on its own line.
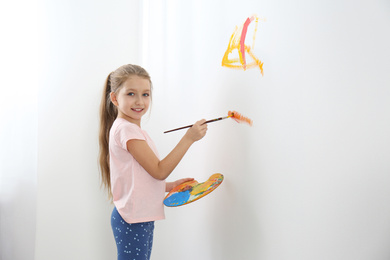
<point x="237" y="42"/>
<point x="191" y="191"/>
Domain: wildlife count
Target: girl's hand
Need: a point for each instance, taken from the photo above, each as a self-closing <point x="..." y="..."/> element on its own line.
<point x="171" y="185"/>
<point x="197" y="131"/>
<point x="178" y="182"/>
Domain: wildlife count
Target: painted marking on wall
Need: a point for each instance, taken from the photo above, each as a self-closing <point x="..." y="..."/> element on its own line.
<point x="237" y="42"/>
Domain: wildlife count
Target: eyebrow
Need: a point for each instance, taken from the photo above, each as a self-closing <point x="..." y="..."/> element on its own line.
<point x="131" y="89"/>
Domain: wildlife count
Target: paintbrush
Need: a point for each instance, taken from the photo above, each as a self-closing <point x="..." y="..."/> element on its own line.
<point x="233" y="114"/>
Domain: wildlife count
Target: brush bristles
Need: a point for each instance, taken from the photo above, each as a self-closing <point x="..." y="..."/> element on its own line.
<point x="240" y="118"/>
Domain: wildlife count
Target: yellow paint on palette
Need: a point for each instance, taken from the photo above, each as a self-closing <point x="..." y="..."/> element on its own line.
<point x="237" y="42"/>
<point x="191" y="191"/>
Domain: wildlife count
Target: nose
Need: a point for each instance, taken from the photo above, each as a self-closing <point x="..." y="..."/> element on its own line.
<point x="139" y="100"/>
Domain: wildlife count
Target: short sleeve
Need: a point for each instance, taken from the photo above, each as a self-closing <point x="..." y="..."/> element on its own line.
<point x="126" y="132"/>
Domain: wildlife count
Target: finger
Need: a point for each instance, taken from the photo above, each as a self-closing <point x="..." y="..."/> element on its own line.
<point x="202" y="121"/>
<point x="184" y="180"/>
<point x="196" y="124"/>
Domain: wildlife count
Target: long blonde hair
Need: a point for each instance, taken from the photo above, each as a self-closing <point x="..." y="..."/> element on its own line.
<point x="108" y="114"/>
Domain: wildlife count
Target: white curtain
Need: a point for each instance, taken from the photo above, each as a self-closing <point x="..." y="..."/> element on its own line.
<point x="21" y="62"/>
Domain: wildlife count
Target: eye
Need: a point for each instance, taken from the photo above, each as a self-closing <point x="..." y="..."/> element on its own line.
<point x="146" y="95"/>
<point x="131" y="94"/>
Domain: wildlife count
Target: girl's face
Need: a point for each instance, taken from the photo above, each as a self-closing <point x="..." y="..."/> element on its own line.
<point x="133" y="99"/>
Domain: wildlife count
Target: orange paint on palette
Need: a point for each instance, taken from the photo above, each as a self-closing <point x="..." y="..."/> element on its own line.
<point x="191" y="191"/>
<point x="237" y="42"/>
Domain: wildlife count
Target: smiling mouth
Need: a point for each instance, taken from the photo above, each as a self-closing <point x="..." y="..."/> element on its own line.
<point x="137" y="109"/>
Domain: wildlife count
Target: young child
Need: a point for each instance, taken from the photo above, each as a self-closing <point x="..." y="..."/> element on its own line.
<point x="131" y="169"/>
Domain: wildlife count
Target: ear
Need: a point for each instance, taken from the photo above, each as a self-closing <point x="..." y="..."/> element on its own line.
<point x="113" y="99"/>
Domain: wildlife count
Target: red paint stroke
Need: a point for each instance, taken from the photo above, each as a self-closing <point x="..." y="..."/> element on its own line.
<point x="242" y="40"/>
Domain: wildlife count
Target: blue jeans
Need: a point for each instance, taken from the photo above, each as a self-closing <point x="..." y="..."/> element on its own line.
<point x="133" y="241"/>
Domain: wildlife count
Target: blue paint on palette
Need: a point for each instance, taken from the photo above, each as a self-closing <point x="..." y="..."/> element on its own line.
<point x="177" y="199"/>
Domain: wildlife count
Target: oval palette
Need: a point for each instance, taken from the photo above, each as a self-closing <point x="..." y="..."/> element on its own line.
<point x="191" y="191"/>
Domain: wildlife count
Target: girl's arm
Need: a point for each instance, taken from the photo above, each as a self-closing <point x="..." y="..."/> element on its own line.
<point x="160" y="169"/>
<point x="170" y="185"/>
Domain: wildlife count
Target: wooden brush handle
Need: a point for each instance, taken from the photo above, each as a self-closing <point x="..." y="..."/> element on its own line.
<point x="188" y="126"/>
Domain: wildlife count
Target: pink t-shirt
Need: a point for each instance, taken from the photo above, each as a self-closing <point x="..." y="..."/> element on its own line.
<point x="137" y="196"/>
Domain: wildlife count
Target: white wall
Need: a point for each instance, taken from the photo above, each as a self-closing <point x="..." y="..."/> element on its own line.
<point x="308" y="181"/>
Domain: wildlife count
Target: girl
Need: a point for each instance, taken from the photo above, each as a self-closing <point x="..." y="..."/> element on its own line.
<point x="131" y="169"/>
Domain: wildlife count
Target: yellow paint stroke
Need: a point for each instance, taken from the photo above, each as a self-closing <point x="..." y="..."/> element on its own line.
<point x="237" y="41"/>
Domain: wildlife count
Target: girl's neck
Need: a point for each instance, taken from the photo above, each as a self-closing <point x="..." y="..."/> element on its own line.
<point x="136" y="122"/>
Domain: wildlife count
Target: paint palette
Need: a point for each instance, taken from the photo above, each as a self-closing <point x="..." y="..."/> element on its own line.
<point x="191" y="191"/>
